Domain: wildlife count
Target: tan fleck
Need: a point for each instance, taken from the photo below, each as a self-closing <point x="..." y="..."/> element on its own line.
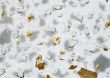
<point x="56" y="40"/>
<point x="62" y="52"/>
<point x="1" y="14"/>
<point x="107" y="24"/>
<point x="84" y="73"/>
<point x="29" y="34"/>
<point x="97" y="67"/>
<point x="30" y="18"/>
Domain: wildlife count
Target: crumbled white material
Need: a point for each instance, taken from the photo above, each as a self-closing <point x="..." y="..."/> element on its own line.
<point x="2" y="71"/>
<point x="79" y="24"/>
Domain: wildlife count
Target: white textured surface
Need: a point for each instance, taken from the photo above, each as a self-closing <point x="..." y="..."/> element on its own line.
<point x="79" y="23"/>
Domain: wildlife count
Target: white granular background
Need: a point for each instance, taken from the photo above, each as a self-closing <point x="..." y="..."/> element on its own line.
<point x="79" y="24"/>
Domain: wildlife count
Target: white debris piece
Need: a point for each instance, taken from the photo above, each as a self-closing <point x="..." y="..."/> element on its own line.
<point x="2" y="71"/>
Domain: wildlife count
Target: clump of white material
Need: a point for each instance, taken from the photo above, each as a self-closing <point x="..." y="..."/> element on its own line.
<point x="2" y="71"/>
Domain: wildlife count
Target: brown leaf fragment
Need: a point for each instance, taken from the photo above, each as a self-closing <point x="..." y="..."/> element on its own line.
<point x="48" y="76"/>
<point x="107" y="24"/>
<point x="84" y="73"/>
<point x="72" y="66"/>
<point x="29" y="34"/>
<point x="41" y="66"/>
<point x="30" y="18"/>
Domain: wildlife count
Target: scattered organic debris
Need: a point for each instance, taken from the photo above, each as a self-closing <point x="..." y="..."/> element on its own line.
<point x="84" y="73"/>
<point x="40" y="64"/>
<point x="62" y="36"/>
<point x="48" y="76"/>
<point x="72" y="67"/>
<point x="30" y="18"/>
<point x="62" y="52"/>
<point x="29" y="34"/>
<point x="56" y="40"/>
<point x="107" y="24"/>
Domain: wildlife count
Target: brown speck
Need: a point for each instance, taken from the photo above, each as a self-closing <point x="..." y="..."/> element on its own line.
<point x="48" y="76"/>
<point x="105" y="49"/>
<point x="30" y="18"/>
<point x="29" y="34"/>
<point x="72" y="66"/>
<point x="41" y="66"/>
<point x="84" y="73"/>
<point x="62" y="52"/>
<point x="107" y="24"/>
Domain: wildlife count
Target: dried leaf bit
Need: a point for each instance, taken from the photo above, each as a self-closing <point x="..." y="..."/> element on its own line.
<point x="72" y="66"/>
<point x="40" y="64"/>
<point x="30" y="18"/>
<point x="84" y="73"/>
<point x="62" y="52"/>
<point x="56" y="40"/>
<point x="48" y="76"/>
<point x="29" y="34"/>
<point x="107" y="24"/>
